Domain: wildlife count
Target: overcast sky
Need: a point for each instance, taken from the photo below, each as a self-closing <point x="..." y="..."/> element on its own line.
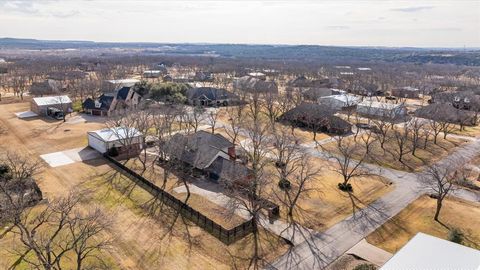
<point x="441" y="23"/>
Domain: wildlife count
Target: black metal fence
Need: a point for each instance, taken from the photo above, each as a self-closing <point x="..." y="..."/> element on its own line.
<point x="227" y="236"/>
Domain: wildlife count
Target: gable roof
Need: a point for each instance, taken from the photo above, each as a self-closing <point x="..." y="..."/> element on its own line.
<point x="122" y="93"/>
<point x="105" y="101"/>
<point x="53" y="100"/>
<point x="116" y="133"/>
<point x="252" y="84"/>
<point x="315" y="115"/>
<point x="229" y="171"/>
<point x="445" y="112"/>
<point x="209" y="93"/>
<point x="424" y="251"/>
<point x="314" y="93"/>
<point x="198" y="149"/>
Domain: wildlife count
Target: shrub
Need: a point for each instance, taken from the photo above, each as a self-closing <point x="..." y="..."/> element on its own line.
<point x="284" y="184"/>
<point x="345" y="187"/>
<point x="77" y="106"/>
<point x="455" y="235"/>
<point x="365" y="266"/>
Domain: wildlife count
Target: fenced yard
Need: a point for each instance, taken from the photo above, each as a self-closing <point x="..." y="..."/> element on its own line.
<point x="227" y="236"/>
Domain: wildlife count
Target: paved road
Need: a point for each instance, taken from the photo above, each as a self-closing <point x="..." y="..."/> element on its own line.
<point x="332" y="243"/>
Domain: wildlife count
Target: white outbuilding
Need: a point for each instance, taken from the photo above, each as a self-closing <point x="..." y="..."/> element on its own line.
<point x="424" y="251"/>
<point x="381" y="109"/>
<point x="339" y="102"/>
<point x="124" y="139"/>
<point x="41" y="105"/>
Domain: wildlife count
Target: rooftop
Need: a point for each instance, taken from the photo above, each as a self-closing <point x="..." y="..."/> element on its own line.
<point x="424" y="251"/>
<point x="116" y="133"/>
<point x="53" y="100"/>
<point x="382" y="105"/>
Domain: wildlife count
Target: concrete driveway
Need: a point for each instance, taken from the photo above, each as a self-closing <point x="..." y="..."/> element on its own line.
<point x="66" y="157"/>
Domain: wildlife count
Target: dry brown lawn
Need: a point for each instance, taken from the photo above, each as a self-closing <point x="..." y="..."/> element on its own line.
<point x="473" y="131"/>
<point x="389" y="157"/>
<point x="143" y="239"/>
<point x="324" y="204"/>
<point x="418" y="217"/>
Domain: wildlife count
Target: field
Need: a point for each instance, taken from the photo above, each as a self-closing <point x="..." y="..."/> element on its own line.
<point x="142" y="240"/>
<point x="418" y="217"/>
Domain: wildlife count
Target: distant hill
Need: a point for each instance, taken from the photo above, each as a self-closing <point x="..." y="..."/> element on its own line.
<point x="296" y="52"/>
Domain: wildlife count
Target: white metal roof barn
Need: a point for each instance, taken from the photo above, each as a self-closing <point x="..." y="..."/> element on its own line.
<point x="104" y="139"/>
<point x="39" y="105"/>
<point x="424" y="251"/>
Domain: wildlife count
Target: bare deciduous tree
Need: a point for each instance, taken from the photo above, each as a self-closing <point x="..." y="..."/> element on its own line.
<point x="440" y="179"/>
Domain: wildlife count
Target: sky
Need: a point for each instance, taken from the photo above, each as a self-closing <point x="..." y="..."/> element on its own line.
<point x="400" y="23"/>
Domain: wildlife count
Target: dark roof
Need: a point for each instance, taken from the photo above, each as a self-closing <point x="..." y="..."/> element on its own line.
<point x="197" y="149"/>
<point x="105" y="100"/>
<point x="300" y="81"/>
<point x="315" y="115"/>
<point x="315" y="93"/>
<point x="209" y="93"/>
<point x="122" y="93"/>
<point x="450" y="97"/>
<point x="229" y="170"/>
<point x="445" y="112"/>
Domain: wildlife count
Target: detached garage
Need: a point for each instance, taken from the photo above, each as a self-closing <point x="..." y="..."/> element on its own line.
<point x="41" y="105"/>
<point x="121" y="141"/>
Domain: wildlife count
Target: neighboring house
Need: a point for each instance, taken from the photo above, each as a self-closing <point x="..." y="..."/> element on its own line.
<point x="47" y="87"/>
<point x="203" y="76"/>
<point x="313" y="94"/>
<point x="465" y="100"/>
<point x="339" y="102"/>
<point x="443" y="112"/>
<point x="368" y="90"/>
<point x="255" y="85"/>
<point x="381" y="109"/>
<point x="301" y="82"/>
<point x="210" y="153"/>
<point x="152" y="73"/>
<point x="258" y="75"/>
<point x="50" y="105"/>
<point x="424" y="251"/>
<point x="316" y="117"/>
<point x="209" y="96"/>
<point x="113" y="85"/>
<point x="406" y="92"/>
<point x="125" y="140"/>
<point x="121" y="99"/>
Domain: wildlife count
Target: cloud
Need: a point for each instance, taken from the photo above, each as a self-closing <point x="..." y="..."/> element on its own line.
<point x="44" y="8"/>
<point x="337" y="27"/>
<point x="412" y="9"/>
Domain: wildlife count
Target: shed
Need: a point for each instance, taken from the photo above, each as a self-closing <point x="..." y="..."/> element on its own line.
<point x="40" y="105"/>
<point x="124" y="139"/>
